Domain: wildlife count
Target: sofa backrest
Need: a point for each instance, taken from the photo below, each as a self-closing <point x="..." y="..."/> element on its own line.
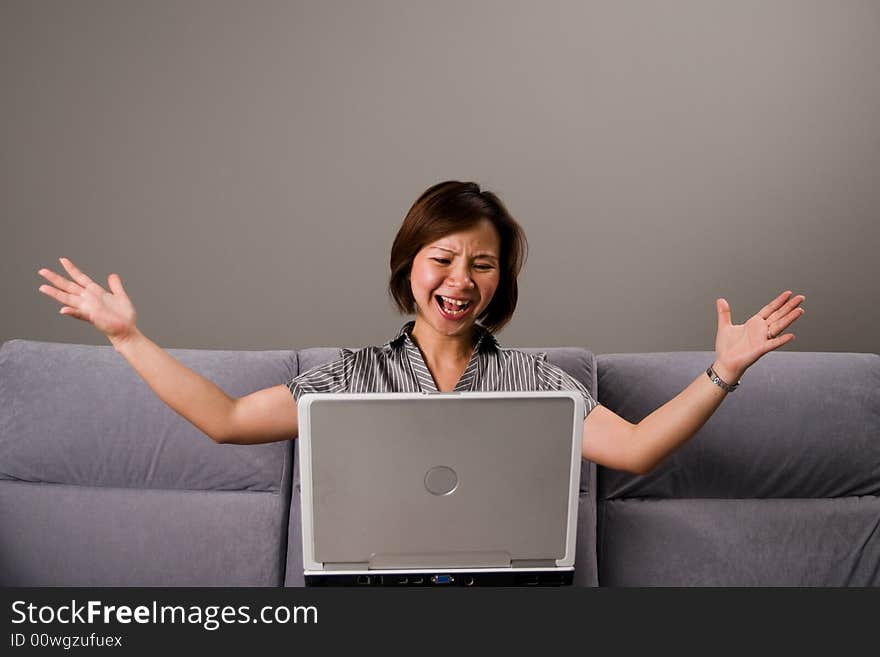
<point x="101" y="484"/>
<point x="579" y="363"/>
<point x="779" y="488"/>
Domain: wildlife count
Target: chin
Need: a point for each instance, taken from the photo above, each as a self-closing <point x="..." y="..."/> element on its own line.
<point x="443" y="327"/>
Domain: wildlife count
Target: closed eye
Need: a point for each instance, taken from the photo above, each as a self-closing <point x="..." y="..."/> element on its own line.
<point x="445" y="261"/>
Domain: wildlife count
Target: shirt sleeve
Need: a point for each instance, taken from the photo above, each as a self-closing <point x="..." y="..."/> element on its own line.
<point x="334" y="376"/>
<point x="551" y="377"/>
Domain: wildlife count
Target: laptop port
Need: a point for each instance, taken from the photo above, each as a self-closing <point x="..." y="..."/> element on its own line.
<point x="403" y="580"/>
<point x="468" y="581"/>
<point x="363" y="579"/>
<point x="418" y="580"/>
<point x="442" y="579"/>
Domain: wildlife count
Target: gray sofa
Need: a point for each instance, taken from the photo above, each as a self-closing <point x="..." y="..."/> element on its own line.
<point x="102" y="485"/>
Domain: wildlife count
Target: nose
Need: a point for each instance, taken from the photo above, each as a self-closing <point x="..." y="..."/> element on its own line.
<point x="460" y="275"/>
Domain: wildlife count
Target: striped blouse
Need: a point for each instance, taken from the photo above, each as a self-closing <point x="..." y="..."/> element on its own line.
<point x="398" y="366"/>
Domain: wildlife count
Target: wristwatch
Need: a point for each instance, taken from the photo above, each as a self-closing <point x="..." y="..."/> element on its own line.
<point x="719" y="382"/>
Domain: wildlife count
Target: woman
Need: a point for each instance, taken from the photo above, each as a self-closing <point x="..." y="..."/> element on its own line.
<point x="454" y="263"/>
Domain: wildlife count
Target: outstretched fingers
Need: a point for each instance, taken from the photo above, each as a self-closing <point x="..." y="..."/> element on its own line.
<point x="75" y="273"/>
<point x="60" y="282"/>
<point x="774" y="305"/>
<point x="62" y="297"/>
<point x="780" y="325"/>
<point x="788" y="310"/>
<point x="68" y="293"/>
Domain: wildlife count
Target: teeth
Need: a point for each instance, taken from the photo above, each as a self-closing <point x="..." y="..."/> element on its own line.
<point x="455" y="301"/>
<point x="463" y="307"/>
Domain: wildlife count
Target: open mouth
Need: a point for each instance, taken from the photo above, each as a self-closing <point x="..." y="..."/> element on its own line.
<point x="451" y="308"/>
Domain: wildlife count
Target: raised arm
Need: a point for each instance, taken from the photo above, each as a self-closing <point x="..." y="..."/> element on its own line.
<point x="264" y="416"/>
<point x="611" y="441"/>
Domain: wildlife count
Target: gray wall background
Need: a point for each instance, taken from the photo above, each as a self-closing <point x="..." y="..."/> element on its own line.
<point x="245" y="166"/>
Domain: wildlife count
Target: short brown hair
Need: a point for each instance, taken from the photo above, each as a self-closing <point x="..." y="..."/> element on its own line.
<point x="449" y="207"/>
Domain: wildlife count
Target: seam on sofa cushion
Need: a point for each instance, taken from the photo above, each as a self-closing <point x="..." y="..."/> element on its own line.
<point x="732" y="499"/>
<point x="277" y="493"/>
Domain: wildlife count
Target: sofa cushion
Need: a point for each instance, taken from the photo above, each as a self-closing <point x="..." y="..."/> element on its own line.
<point x="62" y="535"/>
<point x="79" y="414"/>
<point x="767" y="542"/>
<point x="801" y="425"/>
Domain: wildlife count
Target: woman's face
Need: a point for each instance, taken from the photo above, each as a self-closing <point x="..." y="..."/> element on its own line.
<point x="463" y="267"/>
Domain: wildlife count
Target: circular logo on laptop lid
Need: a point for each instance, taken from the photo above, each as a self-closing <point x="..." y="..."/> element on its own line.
<point x="441" y="480"/>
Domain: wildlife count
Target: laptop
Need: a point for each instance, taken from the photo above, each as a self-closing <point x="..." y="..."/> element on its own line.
<point x="440" y="489"/>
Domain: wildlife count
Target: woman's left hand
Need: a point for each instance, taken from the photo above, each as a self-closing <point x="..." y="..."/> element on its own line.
<point x="738" y="346"/>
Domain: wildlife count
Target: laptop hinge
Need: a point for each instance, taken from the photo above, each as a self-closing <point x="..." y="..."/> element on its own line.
<point x="533" y="563"/>
<point x="441" y="560"/>
<point x="355" y="565"/>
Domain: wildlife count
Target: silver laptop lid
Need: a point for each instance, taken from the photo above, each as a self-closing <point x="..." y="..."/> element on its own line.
<point x="439" y="480"/>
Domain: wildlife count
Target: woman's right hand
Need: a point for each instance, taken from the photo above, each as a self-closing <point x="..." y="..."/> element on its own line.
<point x="112" y="313"/>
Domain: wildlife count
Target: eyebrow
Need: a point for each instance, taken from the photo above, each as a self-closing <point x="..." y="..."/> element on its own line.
<point x="478" y="255"/>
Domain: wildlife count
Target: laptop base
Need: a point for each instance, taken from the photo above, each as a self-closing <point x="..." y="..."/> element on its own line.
<point x="543" y="578"/>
